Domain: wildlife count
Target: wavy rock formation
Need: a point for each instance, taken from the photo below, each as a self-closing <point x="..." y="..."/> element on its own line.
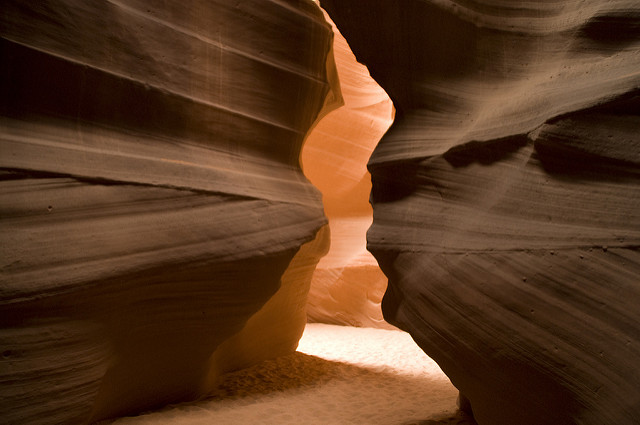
<point x="506" y="197"/>
<point x="152" y="200"/>
<point x="348" y="285"/>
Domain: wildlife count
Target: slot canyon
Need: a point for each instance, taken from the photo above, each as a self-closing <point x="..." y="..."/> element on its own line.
<point x="205" y="191"/>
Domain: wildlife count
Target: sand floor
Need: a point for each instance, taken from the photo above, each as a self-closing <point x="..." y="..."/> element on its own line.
<point x="340" y="375"/>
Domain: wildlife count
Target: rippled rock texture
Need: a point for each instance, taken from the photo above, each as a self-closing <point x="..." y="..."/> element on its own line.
<point x="347" y="285"/>
<point x="506" y="197"/>
<point x="151" y="195"/>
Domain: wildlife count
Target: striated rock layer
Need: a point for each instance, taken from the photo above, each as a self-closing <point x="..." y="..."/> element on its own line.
<point x="506" y="197"/>
<point x="152" y="201"/>
<point x="347" y="285"/>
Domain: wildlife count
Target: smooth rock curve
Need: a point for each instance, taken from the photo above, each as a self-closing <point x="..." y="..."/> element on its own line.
<point x="347" y="285"/>
<point x="506" y="197"/>
<point x="152" y="198"/>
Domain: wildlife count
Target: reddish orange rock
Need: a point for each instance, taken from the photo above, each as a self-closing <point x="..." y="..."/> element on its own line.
<point x="348" y="285"/>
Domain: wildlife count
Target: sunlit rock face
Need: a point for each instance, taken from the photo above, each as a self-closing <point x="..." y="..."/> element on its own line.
<point x="347" y="286"/>
<point x="506" y="197"/>
<point x="152" y="200"/>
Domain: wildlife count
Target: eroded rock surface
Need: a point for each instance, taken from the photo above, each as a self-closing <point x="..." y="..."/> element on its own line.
<point x="348" y="285"/>
<point x="506" y="198"/>
<point x="152" y="199"/>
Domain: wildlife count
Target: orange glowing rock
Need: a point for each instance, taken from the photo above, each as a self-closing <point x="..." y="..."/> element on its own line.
<point x="348" y="285"/>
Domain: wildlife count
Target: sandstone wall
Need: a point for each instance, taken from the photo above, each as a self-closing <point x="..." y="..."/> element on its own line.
<point x="506" y="197"/>
<point x="348" y="285"/>
<point x="151" y="195"/>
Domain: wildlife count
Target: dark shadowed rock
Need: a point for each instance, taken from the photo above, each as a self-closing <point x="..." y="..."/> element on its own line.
<point x="506" y="198"/>
<point x="152" y="201"/>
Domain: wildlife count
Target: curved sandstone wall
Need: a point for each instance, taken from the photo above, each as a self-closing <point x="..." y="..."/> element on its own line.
<point x="152" y="200"/>
<point x="347" y="285"/>
<point x="506" y="197"/>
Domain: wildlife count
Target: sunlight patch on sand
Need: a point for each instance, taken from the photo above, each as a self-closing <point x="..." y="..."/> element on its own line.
<point x="340" y="375"/>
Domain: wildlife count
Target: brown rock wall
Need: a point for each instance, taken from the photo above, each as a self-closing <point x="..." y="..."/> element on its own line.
<point x="505" y="198"/>
<point x="152" y="198"/>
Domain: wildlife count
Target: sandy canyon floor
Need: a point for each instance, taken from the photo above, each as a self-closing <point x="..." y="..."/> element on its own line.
<point x="339" y="375"/>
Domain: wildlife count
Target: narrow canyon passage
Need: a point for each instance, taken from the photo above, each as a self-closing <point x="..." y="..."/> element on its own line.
<point x="350" y="367"/>
<point x="172" y="174"/>
<point x="347" y="285"/>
